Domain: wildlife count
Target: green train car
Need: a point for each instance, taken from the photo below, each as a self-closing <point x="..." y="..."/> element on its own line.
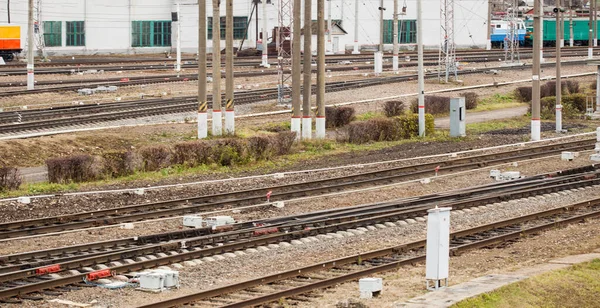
<point x="580" y="32"/>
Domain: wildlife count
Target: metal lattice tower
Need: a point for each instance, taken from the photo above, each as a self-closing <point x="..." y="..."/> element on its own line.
<point x="447" y="58"/>
<point x="284" y="56"/>
<point x="511" y="41"/>
<point x="39" y="29"/>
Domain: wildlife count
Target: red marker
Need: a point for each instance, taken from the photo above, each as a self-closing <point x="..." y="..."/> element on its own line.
<point x="437" y="169"/>
<point x="269" y="196"/>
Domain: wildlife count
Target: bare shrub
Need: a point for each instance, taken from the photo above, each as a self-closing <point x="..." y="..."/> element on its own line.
<point x="339" y="116"/>
<point x="524" y="94"/>
<point x="373" y="130"/>
<point x="192" y="154"/>
<point x="155" y="157"/>
<point x="78" y="168"/>
<point x="593" y="85"/>
<point x="572" y="86"/>
<point x="116" y="164"/>
<point x="577" y="101"/>
<point x="471" y="99"/>
<point x="283" y="142"/>
<point x="433" y="104"/>
<point x="261" y="147"/>
<point x="393" y="108"/>
<point x="10" y="178"/>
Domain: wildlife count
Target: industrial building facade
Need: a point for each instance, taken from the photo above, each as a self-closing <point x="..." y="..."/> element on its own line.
<point x="146" y="26"/>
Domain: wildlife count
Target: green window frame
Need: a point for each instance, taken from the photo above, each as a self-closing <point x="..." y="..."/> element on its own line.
<point x="151" y="33"/>
<point x="239" y="27"/>
<point x="75" y="33"/>
<point x="52" y="33"/>
<point x="407" y="31"/>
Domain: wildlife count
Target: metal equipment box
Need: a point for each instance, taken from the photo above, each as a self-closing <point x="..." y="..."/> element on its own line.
<point x="152" y="281"/>
<point x="457" y="117"/>
<point x="171" y="278"/>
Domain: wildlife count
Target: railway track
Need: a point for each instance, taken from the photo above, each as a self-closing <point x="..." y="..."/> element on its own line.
<point x="24" y="265"/>
<point x="24" y="283"/>
<point x="34" y="120"/>
<point x="95" y="63"/>
<point x="288" y="287"/>
<point x="279" y="193"/>
<point x="128" y="81"/>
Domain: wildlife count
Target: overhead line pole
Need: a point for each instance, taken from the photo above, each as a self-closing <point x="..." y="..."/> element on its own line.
<point x="321" y="70"/>
<point x="395" y="38"/>
<point x="558" y="76"/>
<point x="178" y="68"/>
<point x="229" y="96"/>
<point x="381" y="9"/>
<point x="202" y="103"/>
<point x="265" y="52"/>
<point x="571" y="39"/>
<point x="590" y="32"/>
<point x="488" y="44"/>
<point x="217" y="124"/>
<point x="307" y="70"/>
<point x="356" y="49"/>
<point x="535" y="104"/>
<point x="296" y="70"/>
<point x="30" y="48"/>
<point x="421" y="73"/>
<point x="329" y="28"/>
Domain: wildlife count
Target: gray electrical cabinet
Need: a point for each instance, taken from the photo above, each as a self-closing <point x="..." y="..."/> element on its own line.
<point x="458" y="111"/>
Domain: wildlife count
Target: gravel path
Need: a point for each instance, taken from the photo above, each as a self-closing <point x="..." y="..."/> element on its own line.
<point x="484" y="116"/>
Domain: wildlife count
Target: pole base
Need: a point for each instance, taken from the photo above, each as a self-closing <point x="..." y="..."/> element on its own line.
<point x="590" y="52"/>
<point x="230" y="122"/>
<point x="321" y="128"/>
<point x="536" y="127"/>
<point x="202" y="125"/>
<point x="217" y="124"/>
<point x="307" y="128"/>
<point x="296" y="126"/>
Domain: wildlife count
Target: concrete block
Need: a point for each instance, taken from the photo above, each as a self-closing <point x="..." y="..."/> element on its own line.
<point x="273" y="246"/>
<point x="197" y="261"/>
<point x="239" y="253"/>
<point x="208" y="259"/>
<point x="219" y="257"/>
<point x="73" y="272"/>
<point x="324" y="236"/>
<point x="380" y="226"/>
<point x="262" y="248"/>
<point x="411" y="221"/>
<point x="389" y="224"/>
<point x="161" y="255"/>
<point x="128" y="261"/>
<point x="251" y="250"/>
<point x="229" y="255"/>
<point x="401" y="223"/>
<point x="335" y="235"/>
<point x="177" y="266"/>
<point x="151" y="257"/>
<point x="312" y="238"/>
<point x="421" y="219"/>
<point x="100" y="266"/>
<point x="284" y="244"/>
<point x="362" y="229"/>
<point x="296" y="242"/>
<point x="371" y="228"/>
<point x="305" y="240"/>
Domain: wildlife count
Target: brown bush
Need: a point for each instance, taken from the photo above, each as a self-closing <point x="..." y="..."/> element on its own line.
<point x="283" y="142"/>
<point x="78" y="168"/>
<point x="155" y="157"/>
<point x="117" y="164"/>
<point x="261" y="147"/>
<point x="593" y="85"/>
<point x="227" y="152"/>
<point x="393" y="108"/>
<point x="433" y="104"/>
<point x="572" y="86"/>
<point x="524" y="94"/>
<point x="10" y="178"/>
<point x="339" y="116"/>
<point x="373" y="130"/>
<point x="577" y="101"/>
<point x="549" y="89"/>
<point x="471" y="99"/>
<point x="192" y="154"/>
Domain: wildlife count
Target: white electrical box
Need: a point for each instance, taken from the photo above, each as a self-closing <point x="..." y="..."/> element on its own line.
<point x="192" y="221"/>
<point x="369" y="287"/>
<point x="171" y="278"/>
<point x="569" y="156"/>
<point x="195" y="221"/>
<point x="152" y="281"/>
<point x="438" y="247"/>
<point x="494" y="173"/>
<point x="510" y="175"/>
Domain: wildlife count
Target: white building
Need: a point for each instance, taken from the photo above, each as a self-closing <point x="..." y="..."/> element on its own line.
<point x="144" y="26"/>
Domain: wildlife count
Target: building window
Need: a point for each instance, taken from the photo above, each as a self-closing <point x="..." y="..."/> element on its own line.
<point x="239" y="27"/>
<point x="407" y="31"/>
<point x="52" y="33"/>
<point x="75" y="33"/>
<point x="151" y="33"/>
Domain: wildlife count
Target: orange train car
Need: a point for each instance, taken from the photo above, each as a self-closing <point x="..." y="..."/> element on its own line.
<point x="10" y="41"/>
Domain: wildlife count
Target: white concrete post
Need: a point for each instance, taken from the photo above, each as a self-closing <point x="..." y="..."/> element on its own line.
<point x="421" y="72"/>
<point x="178" y="68"/>
<point x="265" y="51"/>
<point x="356" y="49"/>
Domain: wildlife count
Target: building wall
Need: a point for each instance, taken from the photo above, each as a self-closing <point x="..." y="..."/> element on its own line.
<point x="108" y="22"/>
